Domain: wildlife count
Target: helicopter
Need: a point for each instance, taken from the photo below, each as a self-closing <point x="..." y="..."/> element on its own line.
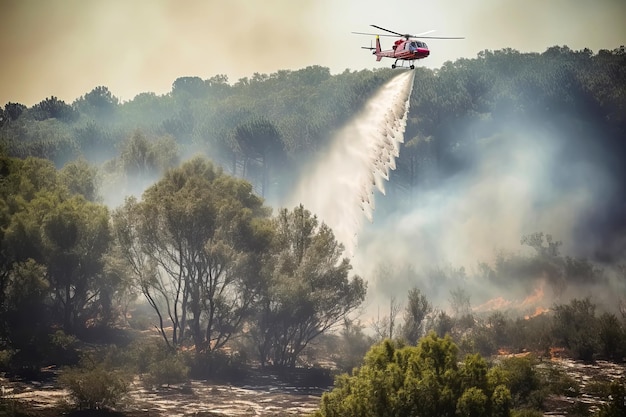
<point x="408" y="49"/>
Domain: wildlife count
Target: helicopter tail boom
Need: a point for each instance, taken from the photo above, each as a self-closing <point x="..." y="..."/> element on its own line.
<point x="378" y="49"/>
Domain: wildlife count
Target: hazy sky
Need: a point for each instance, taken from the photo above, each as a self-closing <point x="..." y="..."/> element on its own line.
<point x="66" y="48"/>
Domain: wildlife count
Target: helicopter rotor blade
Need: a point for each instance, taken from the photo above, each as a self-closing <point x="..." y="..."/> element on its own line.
<point x="387" y="30"/>
<point x="407" y="36"/>
<point x="422" y="34"/>
<point x="438" y="37"/>
<point x="374" y="34"/>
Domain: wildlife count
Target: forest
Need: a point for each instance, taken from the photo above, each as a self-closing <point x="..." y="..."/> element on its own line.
<point x="161" y="216"/>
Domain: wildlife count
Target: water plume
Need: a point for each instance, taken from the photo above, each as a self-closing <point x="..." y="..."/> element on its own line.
<point x="340" y="186"/>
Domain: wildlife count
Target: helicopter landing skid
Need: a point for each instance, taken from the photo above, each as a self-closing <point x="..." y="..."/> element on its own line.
<point x="395" y="65"/>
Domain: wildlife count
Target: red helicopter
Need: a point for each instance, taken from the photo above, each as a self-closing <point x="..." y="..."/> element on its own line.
<point x="407" y="49"/>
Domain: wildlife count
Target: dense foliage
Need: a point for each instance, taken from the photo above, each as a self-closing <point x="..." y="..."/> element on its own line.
<point x="216" y="267"/>
<point x="425" y="380"/>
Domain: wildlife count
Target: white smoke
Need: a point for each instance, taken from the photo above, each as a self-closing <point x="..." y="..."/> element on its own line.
<point x="340" y="187"/>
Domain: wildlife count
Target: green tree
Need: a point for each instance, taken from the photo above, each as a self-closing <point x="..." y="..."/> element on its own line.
<point x="99" y="103"/>
<point x="309" y="289"/>
<point x="194" y="242"/>
<point x="189" y="87"/>
<point x="81" y="178"/>
<point x="75" y="237"/>
<point x="12" y="111"/>
<point x="523" y="382"/>
<point x="258" y="141"/>
<point x="66" y="235"/>
<point x="137" y="157"/>
<point x="611" y="336"/>
<point x="25" y="316"/>
<point x="423" y="380"/>
<point x="418" y="307"/>
<point x="54" y="108"/>
<point x="576" y="328"/>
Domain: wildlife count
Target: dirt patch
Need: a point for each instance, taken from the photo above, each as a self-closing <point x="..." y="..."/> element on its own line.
<point x="262" y="394"/>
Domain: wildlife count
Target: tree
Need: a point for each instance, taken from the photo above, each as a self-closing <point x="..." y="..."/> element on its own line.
<point x="612" y="336"/>
<point x="521" y="378"/>
<point x="12" y="111"/>
<point x="193" y="242"/>
<point x="415" y="313"/>
<point x="24" y="309"/>
<point x="99" y="103"/>
<point x="54" y="108"/>
<point x="384" y="326"/>
<point x="137" y="156"/>
<point x="80" y="178"/>
<point x="189" y="87"/>
<point x="95" y="142"/>
<point x="145" y="159"/>
<point x="308" y="290"/>
<point x="258" y="141"/>
<point x="75" y="237"/>
<point x="66" y="235"/>
<point x="424" y="380"/>
<point x="576" y="328"/>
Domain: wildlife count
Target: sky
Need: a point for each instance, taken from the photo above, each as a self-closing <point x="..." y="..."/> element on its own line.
<point x="65" y="48"/>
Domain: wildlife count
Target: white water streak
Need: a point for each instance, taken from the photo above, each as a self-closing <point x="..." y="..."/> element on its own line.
<point x="340" y="187"/>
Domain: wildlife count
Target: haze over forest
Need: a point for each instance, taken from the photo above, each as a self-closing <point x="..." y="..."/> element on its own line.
<point x="242" y="181"/>
<point x="497" y="149"/>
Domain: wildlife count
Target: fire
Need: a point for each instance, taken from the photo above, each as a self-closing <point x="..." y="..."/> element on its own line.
<point x="538" y="311"/>
<point x="497" y="303"/>
<point x="527" y="305"/>
<point x="535" y="297"/>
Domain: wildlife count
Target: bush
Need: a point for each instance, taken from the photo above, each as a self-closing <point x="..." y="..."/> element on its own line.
<point x="220" y="365"/>
<point x="167" y="371"/>
<point x="616" y="405"/>
<point x="95" y="388"/>
<point x="6" y="357"/>
<point x="63" y="349"/>
<point x="424" y="380"/>
<point x="523" y="382"/>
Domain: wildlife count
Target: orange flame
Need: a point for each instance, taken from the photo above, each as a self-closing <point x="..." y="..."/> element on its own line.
<point x="535" y="297"/>
<point x="538" y="311"/>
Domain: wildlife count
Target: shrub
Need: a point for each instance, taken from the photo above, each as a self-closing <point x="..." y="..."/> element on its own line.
<point x="424" y="380"/>
<point x="63" y="348"/>
<point x="219" y="364"/>
<point x="616" y="406"/>
<point x="95" y="388"/>
<point x="167" y="371"/>
<point x="523" y="382"/>
<point x="6" y="357"/>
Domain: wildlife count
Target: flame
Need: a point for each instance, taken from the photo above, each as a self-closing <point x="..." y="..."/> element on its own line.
<point x="532" y="304"/>
<point x="535" y="297"/>
<point x="538" y="311"/>
<point x="497" y="303"/>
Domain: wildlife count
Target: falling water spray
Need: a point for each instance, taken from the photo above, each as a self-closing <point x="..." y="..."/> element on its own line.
<point x="340" y="188"/>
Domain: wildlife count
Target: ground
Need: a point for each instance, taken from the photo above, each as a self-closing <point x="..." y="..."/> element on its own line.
<point x="263" y="394"/>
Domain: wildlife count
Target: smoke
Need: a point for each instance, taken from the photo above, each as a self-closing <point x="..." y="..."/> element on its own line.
<point x="525" y="178"/>
<point x="67" y="48"/>
<point x="340" y="187"/>
<point x="520" y="181"/>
